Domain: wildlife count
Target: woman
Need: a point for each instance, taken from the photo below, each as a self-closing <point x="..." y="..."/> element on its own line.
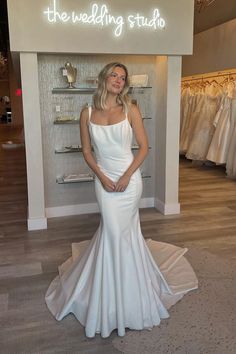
<point x="114" y="281"/>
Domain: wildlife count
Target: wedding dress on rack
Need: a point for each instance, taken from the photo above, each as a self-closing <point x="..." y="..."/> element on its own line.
<point x="204" y="129"/>
<point x="224" y="123"/>
<point x="119" y="280"/>
<point x="231" y="158"/>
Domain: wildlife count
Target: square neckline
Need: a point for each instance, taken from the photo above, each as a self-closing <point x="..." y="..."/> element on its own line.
<point x="107" y="125"/>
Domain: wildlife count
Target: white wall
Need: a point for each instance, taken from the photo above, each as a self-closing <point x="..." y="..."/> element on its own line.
<point x="33" y="141"/>
<point x="214" y="50"/>
<point x="168" y="71"/>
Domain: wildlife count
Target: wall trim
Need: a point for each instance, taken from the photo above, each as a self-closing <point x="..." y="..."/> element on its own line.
<point x="77" y="209"/>
<point x="67" y="210"/>
<point x="37" y="223"/>
<point x="167" y="209"/>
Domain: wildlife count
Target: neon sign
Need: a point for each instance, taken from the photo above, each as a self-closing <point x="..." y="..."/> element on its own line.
<point x="100" y="15"/>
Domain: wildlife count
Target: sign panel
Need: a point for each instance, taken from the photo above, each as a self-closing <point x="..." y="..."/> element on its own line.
<point x="80" y="26"/>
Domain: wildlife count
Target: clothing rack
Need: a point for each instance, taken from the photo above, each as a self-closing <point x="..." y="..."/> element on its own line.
<point x="220" y="74"/>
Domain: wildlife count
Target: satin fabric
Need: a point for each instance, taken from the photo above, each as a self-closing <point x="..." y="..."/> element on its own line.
<point x="118" y="280"/>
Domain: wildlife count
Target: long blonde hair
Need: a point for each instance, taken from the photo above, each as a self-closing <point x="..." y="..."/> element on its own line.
<point x="100" y="96"/>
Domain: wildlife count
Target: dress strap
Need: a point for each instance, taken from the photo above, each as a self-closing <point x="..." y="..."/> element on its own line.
<point x="89" y="112"/>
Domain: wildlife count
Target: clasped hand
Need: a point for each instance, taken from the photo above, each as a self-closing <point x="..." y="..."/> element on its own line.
<point x="119" y="186"/>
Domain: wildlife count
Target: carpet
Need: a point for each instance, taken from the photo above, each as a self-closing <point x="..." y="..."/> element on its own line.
<point x="203" y="322"/>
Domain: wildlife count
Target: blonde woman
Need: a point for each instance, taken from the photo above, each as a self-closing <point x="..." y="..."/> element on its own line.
<point x="113" y="281"/>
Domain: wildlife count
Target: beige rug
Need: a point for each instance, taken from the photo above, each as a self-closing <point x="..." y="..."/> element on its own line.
<point x="203" y="322"/>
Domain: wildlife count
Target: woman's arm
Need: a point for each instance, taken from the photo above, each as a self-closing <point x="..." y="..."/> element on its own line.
<point x="142" y="140"/>
<point x="108" y="184"/>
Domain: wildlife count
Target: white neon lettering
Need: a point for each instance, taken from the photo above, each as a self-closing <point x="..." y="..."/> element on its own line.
<point x="131" y="21"/>
<point x="156" y="22"/>
<point x="100" y="15"/>
<point x="55" y="14"/>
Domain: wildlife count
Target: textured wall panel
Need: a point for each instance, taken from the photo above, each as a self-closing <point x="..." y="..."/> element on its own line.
<point x="55" y="136"/>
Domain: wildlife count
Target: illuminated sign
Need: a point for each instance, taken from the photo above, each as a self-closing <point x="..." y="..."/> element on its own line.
<point x="100" y="15"/>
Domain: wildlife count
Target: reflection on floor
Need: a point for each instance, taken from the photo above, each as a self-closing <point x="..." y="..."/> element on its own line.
<point x="29" y="260"/>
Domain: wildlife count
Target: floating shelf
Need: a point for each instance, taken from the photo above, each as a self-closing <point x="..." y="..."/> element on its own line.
<point x="146" y="176"/>
<point x="67" y="150"/>
<point x="72" y="121"/>
<point x="61" y="180"/>
<point x="88" y="90"/>
<point x="82" y="90"/>
<point x="76" y="179"/>
<point x="76" y="121"/>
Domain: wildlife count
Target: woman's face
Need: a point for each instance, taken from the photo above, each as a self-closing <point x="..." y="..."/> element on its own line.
<point x="116" y="80"/>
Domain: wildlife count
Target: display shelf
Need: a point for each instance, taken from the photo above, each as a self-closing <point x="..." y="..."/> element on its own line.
<point x="76" y="121"/>
<point x="68" y="149"/>
<point x="81" y="90"/>
<point x="84" y="178"/>
<point x="71" y="121"/>
<point x="136" y="147"/>
<point x="66" y="179"/>
<point x="146" y="176"/>
<point x="87" y="177"/>
<point x="88" y="90"/>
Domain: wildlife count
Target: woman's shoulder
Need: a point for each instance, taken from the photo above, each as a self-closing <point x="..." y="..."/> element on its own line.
<point x="84" y="115"/>
<point x="133" y="110"/>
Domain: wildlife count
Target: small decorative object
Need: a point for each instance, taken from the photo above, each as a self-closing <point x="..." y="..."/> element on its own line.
<point x="78" y="177"/>
<point x="139" y="80"/>
<point x="65" y="118"/>
<point x="71" y="73"/>
<point x="92" y="80"/>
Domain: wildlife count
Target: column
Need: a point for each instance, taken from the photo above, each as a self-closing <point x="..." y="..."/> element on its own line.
<point x="168" y="71"/>
<point x="33" y="141"/>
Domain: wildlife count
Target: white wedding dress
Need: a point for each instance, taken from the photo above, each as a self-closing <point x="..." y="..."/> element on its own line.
<point x="118" y="280"/>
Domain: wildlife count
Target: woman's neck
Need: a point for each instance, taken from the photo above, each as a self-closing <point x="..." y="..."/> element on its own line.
<point x="111" y="102"/>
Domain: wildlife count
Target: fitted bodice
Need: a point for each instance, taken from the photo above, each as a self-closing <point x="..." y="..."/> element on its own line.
<point x="112" y="146"/>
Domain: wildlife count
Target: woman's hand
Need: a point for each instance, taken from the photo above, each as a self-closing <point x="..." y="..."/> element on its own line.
<point x="108" y="184"/>
<point x="122" y="183"/>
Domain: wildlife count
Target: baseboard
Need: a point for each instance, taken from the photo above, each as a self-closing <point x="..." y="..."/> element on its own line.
<point x="37" y="223"/>
<point x="167" y="209"/>
<point x="67" y="210"/>
<point x="146" y="203"/>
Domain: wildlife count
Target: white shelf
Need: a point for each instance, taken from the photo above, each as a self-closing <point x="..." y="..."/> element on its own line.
<point x="66" y="179"/>
<point x="67" y="150"/>
<point x="89" y="90"/>
<point x="82" y="90"/>
<point x="71" y="121"/>
<point x="78" y="179"/>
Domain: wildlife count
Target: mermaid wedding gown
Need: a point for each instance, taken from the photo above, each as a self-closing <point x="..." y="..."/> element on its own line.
<point x="118" y="280"/>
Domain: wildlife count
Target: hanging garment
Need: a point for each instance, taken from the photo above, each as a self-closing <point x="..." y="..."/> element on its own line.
<point x="118" y="279"/>
<point x="188" y="105"/>
<point x="219" y="146"/>
<point x="231" y="158"/>
<point x="204" y="128"/>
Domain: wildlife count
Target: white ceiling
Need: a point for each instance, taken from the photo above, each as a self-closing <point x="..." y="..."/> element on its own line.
<point x="218" y="12"/>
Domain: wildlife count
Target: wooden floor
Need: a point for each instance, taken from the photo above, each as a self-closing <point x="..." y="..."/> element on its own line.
<point x="13" y="188"/>
<point x="29" y="260"/>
